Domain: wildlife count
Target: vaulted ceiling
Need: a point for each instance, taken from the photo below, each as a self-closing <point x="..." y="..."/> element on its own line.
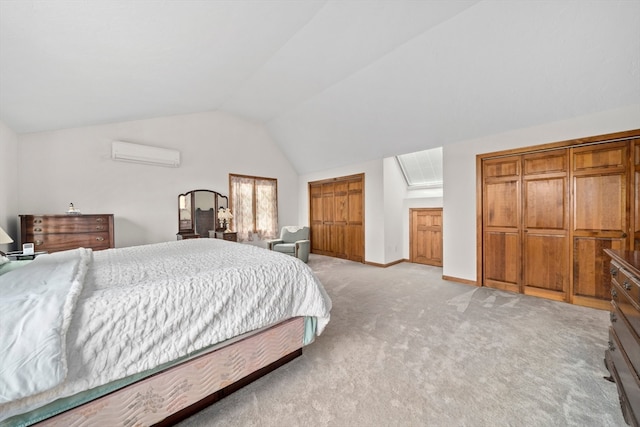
<point x="335" y="82"/>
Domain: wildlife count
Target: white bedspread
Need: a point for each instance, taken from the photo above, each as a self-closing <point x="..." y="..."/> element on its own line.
<point x="36" y="306"/>
<point x="146" y="305"/>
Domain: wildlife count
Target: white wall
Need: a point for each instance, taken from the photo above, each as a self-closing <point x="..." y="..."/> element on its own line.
<point x="373" y="203"/>
<point x="74" y="165"/>
<point x="395" y="213"/>
<point x="9" y="185"/>
<point x="459" y="228"/>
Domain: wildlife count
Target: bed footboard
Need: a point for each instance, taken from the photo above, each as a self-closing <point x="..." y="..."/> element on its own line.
<point x="182" y="390"/>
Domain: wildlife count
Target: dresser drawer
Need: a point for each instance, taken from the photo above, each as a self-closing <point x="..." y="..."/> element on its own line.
<point x="627" y="380"/>
<point x="67" y="224"/>
<point x="628" y="307"/>
<point x="626" y="281"/>
<point x="65" y="241"/>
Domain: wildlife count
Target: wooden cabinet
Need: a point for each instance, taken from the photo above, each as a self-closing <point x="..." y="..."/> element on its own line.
<point x="336" y="216"/>
<point x="623" y="355"/>
<point x="231" y="236"/>
<point x="547" y="214"/>
<point x="54" y="233"/>
<point x="425" y="239"/>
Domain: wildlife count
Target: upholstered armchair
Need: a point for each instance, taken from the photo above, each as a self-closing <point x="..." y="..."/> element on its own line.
<point x="294" y="241"/>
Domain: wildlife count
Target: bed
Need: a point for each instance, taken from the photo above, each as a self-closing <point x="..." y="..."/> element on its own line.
<point x="148" y="334"/>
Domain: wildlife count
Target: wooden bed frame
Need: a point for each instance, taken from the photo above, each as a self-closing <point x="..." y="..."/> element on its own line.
<point x="174" y="394"/>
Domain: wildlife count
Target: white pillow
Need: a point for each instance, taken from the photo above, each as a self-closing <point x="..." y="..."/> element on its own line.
<point x="4" y="260"/>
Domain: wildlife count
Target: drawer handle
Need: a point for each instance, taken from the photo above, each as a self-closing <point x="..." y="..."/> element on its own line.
<point x="38" y="242"/>
<point x="627" y="285"/>
<point x="611" y="346"/>
<point x="614" y="293"/>
<point x="37" y="229"/>
<point x="613" y="317"/>
<point x="37" y="221"/>
<point x="613" y="271"/>
<point x="99" y="219"/>
<point x="100" y="239"/>
<point x="99" y="227"/>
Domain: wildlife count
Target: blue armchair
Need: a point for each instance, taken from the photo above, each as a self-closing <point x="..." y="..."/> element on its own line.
<point x="293" y="241"/>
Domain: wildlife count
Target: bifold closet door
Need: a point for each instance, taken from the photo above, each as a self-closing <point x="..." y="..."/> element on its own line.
<point x="545" y="187"/>
<point x="502" y="245"/>
<point x="635" y="181"/>
<point x="336" y="216"/>
<point x="600" y="218"/>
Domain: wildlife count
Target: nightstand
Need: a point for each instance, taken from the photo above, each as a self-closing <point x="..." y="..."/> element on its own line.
<point x="231" y="236"/>
<point x="20" y="256"/>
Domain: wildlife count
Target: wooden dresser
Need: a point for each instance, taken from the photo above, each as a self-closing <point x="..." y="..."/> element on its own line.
<point x="54" y="233"/>
<point x="623" y="355"/>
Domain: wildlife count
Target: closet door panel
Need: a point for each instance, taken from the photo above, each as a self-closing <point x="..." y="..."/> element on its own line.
<point x="600" y="219"/>
<point x="635" y="194"/>
<point x="502" y="263"/>
<point x="315" y="217"/>
<point x="355" y="228"/>
<point x="502" y="204"/>
<point x="591" y="275"/>
<point x="600" y="203"/>
<point x="545" y="253"/>
<point x="502" y="223"/>
<point x="545" y="263"/>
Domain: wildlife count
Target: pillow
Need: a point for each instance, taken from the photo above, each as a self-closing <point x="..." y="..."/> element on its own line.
<point x="4" y="260"/>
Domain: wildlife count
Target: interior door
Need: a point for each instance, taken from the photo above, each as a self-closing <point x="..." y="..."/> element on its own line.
<point x="501" y="223"/>
<point x="545" y="186"/>
<point x="599" y="218"/>
<point x="425" y="238"/>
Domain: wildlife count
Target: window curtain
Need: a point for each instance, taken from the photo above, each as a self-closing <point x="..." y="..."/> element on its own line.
<point x="254" y="204"/>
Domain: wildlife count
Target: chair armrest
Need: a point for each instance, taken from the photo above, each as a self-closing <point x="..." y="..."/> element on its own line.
<point x="272" y="242"/>
<point x="302" y="249"/>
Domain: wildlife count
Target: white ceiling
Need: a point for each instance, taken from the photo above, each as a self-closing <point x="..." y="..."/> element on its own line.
<point x="335" y="82"/>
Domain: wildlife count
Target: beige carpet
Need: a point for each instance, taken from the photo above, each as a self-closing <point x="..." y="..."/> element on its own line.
<point x="405" y="348"/>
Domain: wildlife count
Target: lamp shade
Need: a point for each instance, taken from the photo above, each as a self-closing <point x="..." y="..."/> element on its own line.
<point x="4" y="237"/>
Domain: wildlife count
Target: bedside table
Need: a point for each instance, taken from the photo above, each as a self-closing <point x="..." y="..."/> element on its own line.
<point x="231" y="236"/>
<point x="20" y="256"/>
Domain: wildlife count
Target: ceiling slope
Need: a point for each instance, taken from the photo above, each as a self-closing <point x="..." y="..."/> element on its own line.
<point x="335" y="82"/>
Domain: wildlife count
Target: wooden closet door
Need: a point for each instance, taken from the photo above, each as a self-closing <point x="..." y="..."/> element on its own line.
<point x="545" y="186"/>
<point x="355" y="226"/>
<point x="340" y="219"/>
<point x="426" y="236"/>
<point x="635" y="194"/>
<point x="501" y="223"/>
<point x="336" y="215"/>
<point x="328" y="213"/>
<point x="315" y="218"/>
<point x="600" y="218"/>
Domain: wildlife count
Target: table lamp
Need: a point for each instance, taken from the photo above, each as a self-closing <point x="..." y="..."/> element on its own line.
<point x="4" y="239"/>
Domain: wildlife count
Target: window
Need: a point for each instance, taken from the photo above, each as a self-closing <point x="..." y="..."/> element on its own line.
<point x="422" y="169"/>
<point x="254" y="205"/>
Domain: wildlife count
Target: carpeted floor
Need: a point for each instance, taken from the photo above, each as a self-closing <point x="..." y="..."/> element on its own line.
<point x="405" y="348"/>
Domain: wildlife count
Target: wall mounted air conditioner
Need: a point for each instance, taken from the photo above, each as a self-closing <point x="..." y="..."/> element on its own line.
<point x="136" y="153"/>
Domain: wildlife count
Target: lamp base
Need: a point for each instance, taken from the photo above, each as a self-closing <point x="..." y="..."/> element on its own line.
<point x="2" y="254"/>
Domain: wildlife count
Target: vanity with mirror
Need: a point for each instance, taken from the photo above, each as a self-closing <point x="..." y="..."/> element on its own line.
<point x="198" y="215"/>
